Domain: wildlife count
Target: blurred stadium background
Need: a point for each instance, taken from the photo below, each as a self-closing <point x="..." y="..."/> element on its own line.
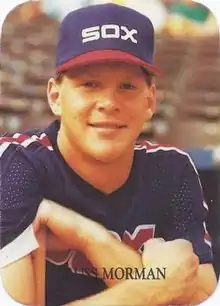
<point x="187" y="50"/>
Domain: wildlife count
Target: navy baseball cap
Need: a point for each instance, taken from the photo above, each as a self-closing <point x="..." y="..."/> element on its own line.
<point x="105" y="32"/>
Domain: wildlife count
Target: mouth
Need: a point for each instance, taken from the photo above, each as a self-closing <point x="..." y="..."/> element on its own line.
<point x="107" y="125"/>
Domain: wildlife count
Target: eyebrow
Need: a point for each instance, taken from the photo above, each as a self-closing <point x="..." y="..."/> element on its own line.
<point x="95" y="74"/>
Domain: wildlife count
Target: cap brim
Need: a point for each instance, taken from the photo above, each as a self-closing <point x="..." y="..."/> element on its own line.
<point x="108" y="55"/>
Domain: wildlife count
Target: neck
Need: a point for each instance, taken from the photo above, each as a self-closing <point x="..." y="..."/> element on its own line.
<point x="104" y="176"/>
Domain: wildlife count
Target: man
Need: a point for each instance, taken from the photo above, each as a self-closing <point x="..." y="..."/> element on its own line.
<point x="98" y="195"/>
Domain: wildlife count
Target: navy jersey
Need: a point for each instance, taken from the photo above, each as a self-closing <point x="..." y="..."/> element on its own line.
<point x="162" y="197"/>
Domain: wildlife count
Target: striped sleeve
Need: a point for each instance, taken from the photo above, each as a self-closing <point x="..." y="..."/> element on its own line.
<point x="188" y="212"/>
<point x="20" y="194"/>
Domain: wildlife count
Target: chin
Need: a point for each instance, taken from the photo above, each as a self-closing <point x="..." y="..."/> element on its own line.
<point x="108" y="154"/>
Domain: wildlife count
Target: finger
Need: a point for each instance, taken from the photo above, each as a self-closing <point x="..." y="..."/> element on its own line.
<point x="153" y="242"/>
<point x="183" y="244"/>
<point x="54" y="243"/>
<point x="149" y="247"/>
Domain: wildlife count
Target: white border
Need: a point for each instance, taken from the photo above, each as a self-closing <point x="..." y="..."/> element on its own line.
<point x="8" y="5"/>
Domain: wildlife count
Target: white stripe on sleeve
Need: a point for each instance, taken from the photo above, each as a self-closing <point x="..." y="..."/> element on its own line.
<point x="18" y="248"/>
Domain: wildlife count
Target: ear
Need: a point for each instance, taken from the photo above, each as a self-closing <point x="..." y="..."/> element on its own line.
<point x="53" y="96"/>
<point x="151" y="102"/>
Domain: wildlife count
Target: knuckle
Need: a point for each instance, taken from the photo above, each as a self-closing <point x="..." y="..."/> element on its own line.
<point x="193" y="261"/>
<point x="196" y="259"/>
<point x="154" y="241"/>
<point x="185" y="244"/>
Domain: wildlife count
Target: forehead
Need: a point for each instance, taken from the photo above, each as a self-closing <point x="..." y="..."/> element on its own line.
<point x="104" y="69"/>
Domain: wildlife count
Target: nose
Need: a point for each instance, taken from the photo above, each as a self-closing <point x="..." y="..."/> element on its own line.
<point x="108" y="101"/>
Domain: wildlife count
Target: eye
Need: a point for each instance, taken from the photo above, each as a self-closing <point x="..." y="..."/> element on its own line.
<point x="127" y="86"/>
<point x="90" y="84"/>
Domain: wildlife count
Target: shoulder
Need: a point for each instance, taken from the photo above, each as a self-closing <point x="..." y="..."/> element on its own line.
<point x="27" y="144"/>
<point x="164" y="155"/>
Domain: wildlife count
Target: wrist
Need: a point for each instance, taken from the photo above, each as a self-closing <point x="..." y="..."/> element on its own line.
<point x="150" y="292"/>
<point x="92" y="235"/>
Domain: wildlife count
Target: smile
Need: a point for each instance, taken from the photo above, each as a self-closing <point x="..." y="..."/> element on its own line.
<point x="105" y="125"/>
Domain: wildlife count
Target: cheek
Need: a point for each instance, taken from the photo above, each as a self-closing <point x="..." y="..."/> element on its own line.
<point x="137" y="111"/>
<point x="74" y="107"/>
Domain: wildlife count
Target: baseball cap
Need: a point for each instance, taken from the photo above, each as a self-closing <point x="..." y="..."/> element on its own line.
<point x="105" y="32"/>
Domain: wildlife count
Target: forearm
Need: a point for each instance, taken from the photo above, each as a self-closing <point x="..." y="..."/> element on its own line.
<point x="204" y="285"/>
<point x="113" y="254"/>
<point x="101" y="248"/>
<point x="18" y="280"/>
<point x="129" y="293"/>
